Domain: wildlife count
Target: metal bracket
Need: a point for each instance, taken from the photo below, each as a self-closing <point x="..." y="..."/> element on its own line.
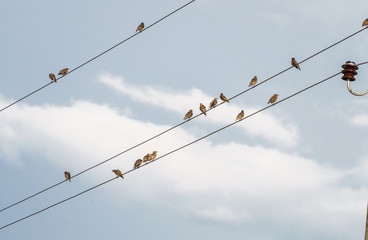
<point x="354" y="93"/>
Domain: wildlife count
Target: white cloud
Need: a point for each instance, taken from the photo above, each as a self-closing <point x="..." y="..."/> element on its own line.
<point x="263" y="125"/>
<point x="360" y="120"/>
<point x="232" y="183"/>
<point x="221" y="213"/>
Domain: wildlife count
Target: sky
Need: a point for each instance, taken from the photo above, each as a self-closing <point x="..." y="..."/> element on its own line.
<point x="294" y="171"/>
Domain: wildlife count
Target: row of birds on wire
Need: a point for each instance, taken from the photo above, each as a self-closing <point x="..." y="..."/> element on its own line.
<point x="189" y="114"/>
<point x="148" y="157"/>
<point x="252" y="82"/>
<point x="64" y="71"/>
<point x="141" y="27"/>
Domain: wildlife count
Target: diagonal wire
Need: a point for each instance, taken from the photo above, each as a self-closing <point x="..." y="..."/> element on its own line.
<point x="362" y="63"/>
<point x="99" y="55"/>
<point x="173" y="151"/>
<point x="169" y="129"/>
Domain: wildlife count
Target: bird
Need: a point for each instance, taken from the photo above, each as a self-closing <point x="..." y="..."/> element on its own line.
<point x="223" y="98"/>
<point x="137" y="163"/>
<point x="118" y="173"/>
<point x="253" y="81"/>
<point x="294" y="63"/>
<point x="240" y="115"/>
<point x="63" y="71"/>
<point x="213" y="103"/>
<point x="152" y="155"/>
<point x="140" y="27"/>
<point x="189" y="114"/>
<point x="52" y="77"/>
<point x="146" y="157"/>
<point x="67" y="176"/>
<point x="202" y="108"/>
<point x="365" y="23"/>
<point x="273" y="99"/>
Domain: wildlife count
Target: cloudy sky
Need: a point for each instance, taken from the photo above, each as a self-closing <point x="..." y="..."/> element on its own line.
<point x="295" y="171"/>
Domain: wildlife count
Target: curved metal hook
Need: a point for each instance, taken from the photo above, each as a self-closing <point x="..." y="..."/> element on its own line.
<point x="348" y="81"/>
<point x="354" y="93"/>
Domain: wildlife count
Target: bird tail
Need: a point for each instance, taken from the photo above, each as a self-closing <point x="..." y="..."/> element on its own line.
<point x="70" y="180"/>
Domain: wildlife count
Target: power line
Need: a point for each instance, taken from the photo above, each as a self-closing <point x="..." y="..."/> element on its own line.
<point x="169" y="129"/>
<point x="53" y="205"/>
<point x="362" y="63"/>
<point x="173" y="151"/>
<point x="99" y="55"/>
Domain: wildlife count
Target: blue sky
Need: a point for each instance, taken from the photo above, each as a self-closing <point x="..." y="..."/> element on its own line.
<point x="295" y="171"/>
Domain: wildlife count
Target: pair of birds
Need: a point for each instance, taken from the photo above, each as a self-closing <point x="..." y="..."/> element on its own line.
<point x="61" y="72"/>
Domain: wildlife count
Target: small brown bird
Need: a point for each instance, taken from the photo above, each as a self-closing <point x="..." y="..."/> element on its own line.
<point x="240" y="115"/>
<point x="140" y="27"/>
<point x="202" y="108"/>
<point x="146" y="157"/>
<point x="273" y="99"/>
<point x="52" y="77"/>
<point x="223" y="98"/>
<point x="189" y="114"/>
<point x="213" y="103"/>
<point x="118" y="173"/>
<point x="294" y="63"/>
<point x="152" y="155"/>
<point x="137" y="163"/>
<point x="67" y="176"/>
<point x="365" y="23"/>
<point x="63" y="71"/>
<point x="253" y="81"/>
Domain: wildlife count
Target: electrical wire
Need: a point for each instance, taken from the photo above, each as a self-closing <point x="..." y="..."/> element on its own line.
<point x="173" y="151"/>
<point x="99" y="55"/>
<point x="171" y="128"/>
<point x="361" y="63"/>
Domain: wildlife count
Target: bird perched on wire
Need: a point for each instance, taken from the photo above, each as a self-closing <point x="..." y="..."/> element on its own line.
<point x="67" y="176"/>
<point x="253" y="81"/>
<point x="202" y="108"/>
<point x="63" y="71"/>
<point x="152" y="156"/>
<point x="52" y="77"/>
<point x="118" y="173"/>
<point x="189" y="114"/>
<point x="294" y="63"/>
<point x="213" y="103"/>
<point x="146" y="157"/>
<point x="137" y="163"/>
<point x="240" y="115"/>
<point x="273" y="99"/>
<point x="365" y="23"/>
<point x="140" y="27"/>
<point x="223" y="98"/>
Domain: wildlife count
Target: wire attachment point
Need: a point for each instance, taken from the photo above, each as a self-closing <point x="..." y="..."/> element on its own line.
<point x="349" y="72"/>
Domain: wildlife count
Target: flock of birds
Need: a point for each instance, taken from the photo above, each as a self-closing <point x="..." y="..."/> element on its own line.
<point x="189" y="114"/>
<point x="146" y="158"/>
<point x="214" y="102"/>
